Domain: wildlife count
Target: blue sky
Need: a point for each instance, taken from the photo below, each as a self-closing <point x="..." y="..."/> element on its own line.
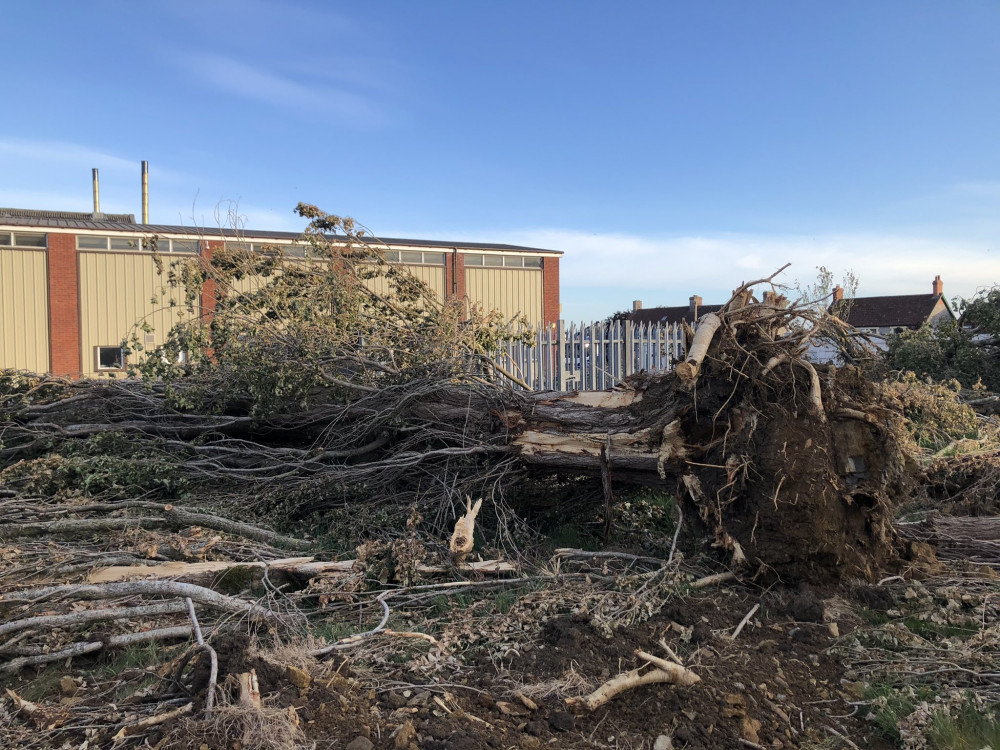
<point x="668" y="148"/>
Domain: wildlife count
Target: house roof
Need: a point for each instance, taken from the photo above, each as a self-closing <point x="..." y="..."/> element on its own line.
<point x="908" y="310"/>
<point x="28" y="218"/>
<point x="671" y="315"/>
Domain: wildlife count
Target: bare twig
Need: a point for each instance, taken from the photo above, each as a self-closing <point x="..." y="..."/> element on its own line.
<point x="213" y="673"/>
<point x="744" y="621"/>
<point x="92" y="615"/>
<point x="137" y="588"/>
<point x="358" y="637"/>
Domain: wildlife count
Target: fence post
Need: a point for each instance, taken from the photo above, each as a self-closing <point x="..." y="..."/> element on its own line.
<point x="560" y="370"/>
<point x="629" y="363"/>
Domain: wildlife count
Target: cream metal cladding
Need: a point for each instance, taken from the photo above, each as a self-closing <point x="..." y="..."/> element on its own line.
<point x="24" y="314"/>
<point x="118" y="293"/>
<point x="511" y="291"/>
<point x="432" y="276"/>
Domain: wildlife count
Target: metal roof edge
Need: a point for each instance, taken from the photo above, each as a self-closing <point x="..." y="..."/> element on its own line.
<point x="110" y="223"/>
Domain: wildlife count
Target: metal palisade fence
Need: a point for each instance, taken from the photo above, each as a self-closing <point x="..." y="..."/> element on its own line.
<point x="594" y="356"/>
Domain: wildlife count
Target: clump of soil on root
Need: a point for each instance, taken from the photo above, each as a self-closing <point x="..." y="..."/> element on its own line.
<point x="800" y="495"/>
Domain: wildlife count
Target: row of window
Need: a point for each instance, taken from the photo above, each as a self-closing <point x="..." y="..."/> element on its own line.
<point x="22" y="239"/>
<point x="166" y="245"/>
<point x="159" y="244"/>
<point x="414" y="257"/>
<point x="506" y="261"/>
<point x="393" y="256"/>
<point x="420" y="257"/>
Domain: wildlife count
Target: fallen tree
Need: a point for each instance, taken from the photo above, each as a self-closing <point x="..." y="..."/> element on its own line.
<point x="309" y="394"/>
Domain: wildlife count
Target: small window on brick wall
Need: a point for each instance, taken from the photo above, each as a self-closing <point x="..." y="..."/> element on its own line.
<point x="109" y="358"/>
<point x="504" y="261"/>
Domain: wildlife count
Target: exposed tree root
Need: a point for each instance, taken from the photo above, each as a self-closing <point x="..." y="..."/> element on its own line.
<point x="663" y="672"/>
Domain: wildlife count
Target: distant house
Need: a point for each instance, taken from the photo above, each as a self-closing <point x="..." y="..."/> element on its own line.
<point x="882" y="316"/>
<point x="689" y="313"/>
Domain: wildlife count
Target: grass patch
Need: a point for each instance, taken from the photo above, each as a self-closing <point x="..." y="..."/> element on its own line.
<point x="969" y="729"/>
<point x="137" y="656"/>
<point x="44" y="685"/>
<point x="573" y="535"/>
<point x="934" y="631"/>
<point x="504" y="601"/>
<point x="234" y="580"/>
<point x="332" y="630"/>
<point x="889" y="706"/>
<point x="442" y="605"/>
<point x="873" y="617"/>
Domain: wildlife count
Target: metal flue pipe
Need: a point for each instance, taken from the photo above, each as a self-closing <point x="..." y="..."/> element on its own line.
<point x="97" y="193"/>
<point x="145" y="192"/>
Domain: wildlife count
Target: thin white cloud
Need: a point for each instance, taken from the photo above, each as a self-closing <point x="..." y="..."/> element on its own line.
<point x="61" y="152"/>
<point x="258" y="22"/>
<point x="29" y="156"/>
<point x="248" y="82"/>
<point x="603" y="273"/>
<point x="46" y="200"/>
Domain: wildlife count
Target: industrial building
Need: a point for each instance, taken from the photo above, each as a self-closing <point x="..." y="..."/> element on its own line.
<point x="73" y="286"/>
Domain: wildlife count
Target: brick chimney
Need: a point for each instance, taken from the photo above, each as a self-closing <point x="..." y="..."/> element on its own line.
<point x="693" y="304"/>
<point x="636" y="305"/>
<point x="938" y="286"/>
<point x="838" y="293"/>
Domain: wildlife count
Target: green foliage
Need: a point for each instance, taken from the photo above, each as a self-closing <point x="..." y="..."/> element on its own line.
<point x="935" y="417"/>
<point x="819" y="293"/>
<point x="287" y="332"/>
<point x="106" y="464"/>
<point x="966" y="351"/>
<point x="19" y="389"/>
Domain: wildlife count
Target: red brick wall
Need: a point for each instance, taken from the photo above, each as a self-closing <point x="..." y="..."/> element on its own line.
<point x="449" y="275"/>
<point x="460" y="275"/>
<point x="454" y="276"/>
<point x="208" y="289"/>
<point x="550" y="290"/>
<point x="64" y="306"/>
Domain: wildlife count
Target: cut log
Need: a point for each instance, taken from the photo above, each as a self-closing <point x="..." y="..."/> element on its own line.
<point x="299" y="568"/>
<point x="202" y="573"/>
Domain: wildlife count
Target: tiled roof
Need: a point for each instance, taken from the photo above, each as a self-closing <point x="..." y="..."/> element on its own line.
<point x="669" y="314"/>
<point x="126" y="223"/>
<point x="907" y="310"/>
<point x="31" y="213"/>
